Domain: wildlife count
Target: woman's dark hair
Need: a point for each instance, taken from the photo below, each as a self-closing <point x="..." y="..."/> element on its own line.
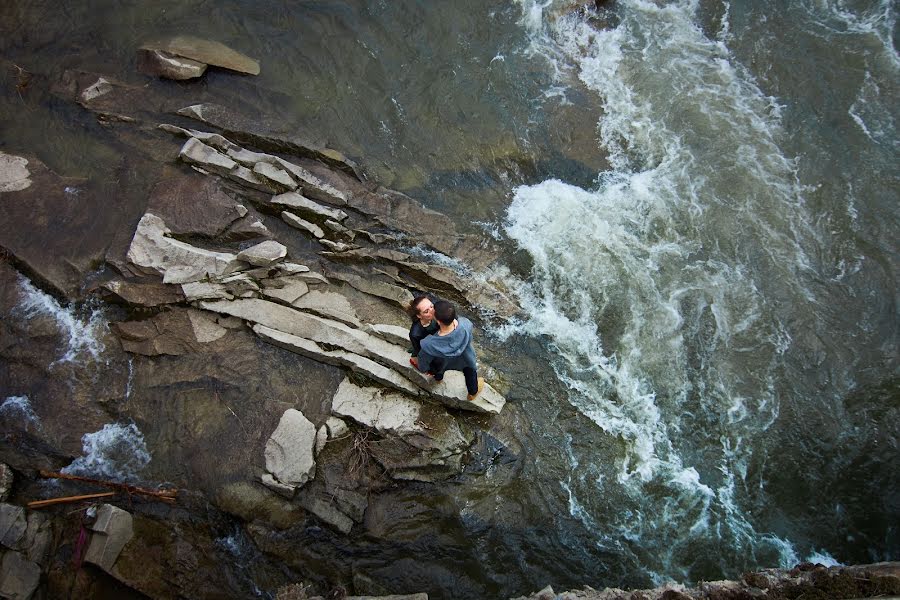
<point x="413" y="308"/>
<point x="444" y="312"/>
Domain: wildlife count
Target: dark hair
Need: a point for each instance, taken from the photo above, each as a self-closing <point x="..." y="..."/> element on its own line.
<point x="444" y="312"/>
<point x="413" y="308"/>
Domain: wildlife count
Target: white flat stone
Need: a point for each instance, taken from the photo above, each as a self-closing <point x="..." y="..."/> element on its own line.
<point x="452" y="392"/>
<point x="14" y="174"/>
<point x="298" y="203"/>
<point x="197" y="153"/>
<point x="289" y="451"/>
<point x="279" y="178"/>
<point x="290" y="268"/>
<point x="286" y="289"/>
<point x="302" y="224"/>
<point x="382" y="410"/>
<point x="264" y="254"/>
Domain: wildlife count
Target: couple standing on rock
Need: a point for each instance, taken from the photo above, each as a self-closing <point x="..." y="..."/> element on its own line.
<point x="441" y="342"/>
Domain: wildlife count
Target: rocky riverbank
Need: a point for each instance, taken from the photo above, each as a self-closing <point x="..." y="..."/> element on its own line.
<point x="224" y="318"/>
<point x="252" y="334"/>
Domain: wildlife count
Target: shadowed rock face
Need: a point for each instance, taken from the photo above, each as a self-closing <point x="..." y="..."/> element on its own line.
<point x="57" y="228"/>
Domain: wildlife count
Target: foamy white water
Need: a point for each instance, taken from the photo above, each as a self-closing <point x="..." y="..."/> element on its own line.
<point x="675" y="251"/>
<point x="81" y="333"/>
<point x="18" y="408"/>
<point x="116" y="452"/>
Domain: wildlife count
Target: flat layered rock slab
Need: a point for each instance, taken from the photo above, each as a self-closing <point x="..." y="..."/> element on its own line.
<point x="342" y="358"/>
<point x="178" y="262"/>
<point x="452" y="392"/>
<point x="205" y="51"/>
<point x="312" y="327"/>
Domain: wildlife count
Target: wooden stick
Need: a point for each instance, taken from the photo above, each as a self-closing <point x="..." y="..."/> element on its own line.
<point x="163" y="495"/>
<point x="66" y="499"/>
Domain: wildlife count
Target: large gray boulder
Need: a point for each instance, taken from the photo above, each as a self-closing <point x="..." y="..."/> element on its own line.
<point x="422" y="442"/>
<point x="330" y="305"/>
<point x="315" y="328"/>
<point x="369" y="285"/>
<point x="289" y="451"/>
<point x="178" y="262"/>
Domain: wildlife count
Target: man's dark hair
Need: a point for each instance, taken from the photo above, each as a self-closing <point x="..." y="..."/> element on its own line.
<point x="444" y="312"/>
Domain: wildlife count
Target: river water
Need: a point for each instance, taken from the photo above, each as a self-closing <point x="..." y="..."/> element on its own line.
<point x="697" y="203"/>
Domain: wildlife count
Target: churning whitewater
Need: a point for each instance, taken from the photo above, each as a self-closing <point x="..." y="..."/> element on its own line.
<point x="667" y="287"/>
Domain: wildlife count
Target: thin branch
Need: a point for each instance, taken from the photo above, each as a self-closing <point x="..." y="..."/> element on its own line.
<point x="67" y="499"/>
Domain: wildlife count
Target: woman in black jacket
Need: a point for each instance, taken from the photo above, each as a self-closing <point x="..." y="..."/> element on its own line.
<point x="421" y="311"/>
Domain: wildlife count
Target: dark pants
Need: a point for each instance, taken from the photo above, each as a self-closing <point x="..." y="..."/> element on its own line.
<point x="471" y="375"/>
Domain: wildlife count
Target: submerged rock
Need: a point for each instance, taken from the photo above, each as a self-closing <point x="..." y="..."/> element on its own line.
<point x="200" y="51"/>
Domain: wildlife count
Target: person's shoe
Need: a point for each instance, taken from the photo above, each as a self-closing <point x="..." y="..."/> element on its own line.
<point x="414" y="362"/>
<point x="472" y="397"/>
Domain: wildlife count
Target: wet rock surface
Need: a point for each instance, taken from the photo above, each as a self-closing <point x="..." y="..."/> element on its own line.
<point x="806" y="580"/>
<point x="185" y="57"/>
<point x="268" y="380"/>
<point x="205" y="344"/>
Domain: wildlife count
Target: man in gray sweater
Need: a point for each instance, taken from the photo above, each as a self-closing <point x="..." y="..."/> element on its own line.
<point x="450" y="349"/>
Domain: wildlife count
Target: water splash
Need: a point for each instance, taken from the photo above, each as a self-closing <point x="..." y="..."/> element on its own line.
<point x="81" y="332"/>
<point x="117" y="452"/>
<point x="19" y="408"/>
<point x="652" y="288"/>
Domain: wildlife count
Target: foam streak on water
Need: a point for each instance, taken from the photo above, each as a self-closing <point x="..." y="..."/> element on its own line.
<point x="18" y="408"/>
<point x="81" y="333"/>
<point x="672" y="258"/>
